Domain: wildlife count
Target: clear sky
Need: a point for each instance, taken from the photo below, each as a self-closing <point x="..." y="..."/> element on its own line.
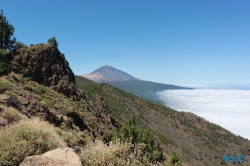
<point x="177" y="42"/>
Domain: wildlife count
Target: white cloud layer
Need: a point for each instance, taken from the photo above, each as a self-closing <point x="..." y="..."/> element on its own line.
<point x="226" y="107"/>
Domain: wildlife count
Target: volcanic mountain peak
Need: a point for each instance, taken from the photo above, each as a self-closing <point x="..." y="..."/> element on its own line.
<point x="108" y="73"/>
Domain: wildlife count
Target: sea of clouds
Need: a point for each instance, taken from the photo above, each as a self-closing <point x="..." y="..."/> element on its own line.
<point x="227" y="106"/>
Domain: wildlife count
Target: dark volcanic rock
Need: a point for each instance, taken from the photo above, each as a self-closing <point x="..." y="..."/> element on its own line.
<point x="46" y="65"/>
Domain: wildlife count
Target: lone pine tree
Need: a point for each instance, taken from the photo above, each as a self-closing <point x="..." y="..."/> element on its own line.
<point x="6" y="33"/>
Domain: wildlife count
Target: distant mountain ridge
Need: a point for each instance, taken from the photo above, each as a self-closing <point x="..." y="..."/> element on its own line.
<point x="128" y="83"/>
<point x="144" y="89"/>
<point x="108" y="74"/>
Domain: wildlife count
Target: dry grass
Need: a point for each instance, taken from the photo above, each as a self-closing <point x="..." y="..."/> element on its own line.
<point x="15" y="76"/>
<point x="115" y="154"/>
<point x="25" y="138"/>
<point x="4" y="85"/>
<point x="72" y="137"/>
<point x="12" y="115"/>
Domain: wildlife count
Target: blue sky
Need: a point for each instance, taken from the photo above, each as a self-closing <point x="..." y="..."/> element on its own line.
<point x="177" y="42"/>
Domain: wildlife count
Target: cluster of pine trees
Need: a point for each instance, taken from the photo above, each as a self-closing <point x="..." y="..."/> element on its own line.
<point x="133" y="134"/>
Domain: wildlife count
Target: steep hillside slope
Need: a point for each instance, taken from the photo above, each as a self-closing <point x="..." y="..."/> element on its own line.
<point x="195" y="140"/>
<point x="45" y="86"/>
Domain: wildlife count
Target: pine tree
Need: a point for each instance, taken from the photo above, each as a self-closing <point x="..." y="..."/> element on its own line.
<point x="6" y="31"/>
<point x="135" y="134"/>
<point x="53" y="40"/>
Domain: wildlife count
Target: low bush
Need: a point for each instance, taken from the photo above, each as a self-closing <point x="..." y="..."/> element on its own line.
<point x="26" y="138"/>
<point x="40" y="89"/>
<point x="72" y="137"/>
<point x="174" y="160"/>
<point x="4" y="86"/>
<point x="24" y="79"/>
<point x="118" y="153"/>
<point x="12" y="115"/>
<point x="46" y="103"/>
<point x="15" y="76"/>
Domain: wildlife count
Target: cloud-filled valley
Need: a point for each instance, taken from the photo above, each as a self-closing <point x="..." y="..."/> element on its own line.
<point x="228" y="108"/>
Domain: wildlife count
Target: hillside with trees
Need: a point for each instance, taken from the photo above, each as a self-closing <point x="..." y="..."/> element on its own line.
<point x="195" y="140"/>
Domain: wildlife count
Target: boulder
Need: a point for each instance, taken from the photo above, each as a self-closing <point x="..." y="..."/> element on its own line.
<point x="60" y="156"/>
<point x="4" y="97"/>
<point x="24" y="101"/>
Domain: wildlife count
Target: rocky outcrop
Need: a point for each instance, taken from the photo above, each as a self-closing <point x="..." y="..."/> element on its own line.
<point x="45" y="64"/>
<point x="56" y="108"/>
<point x="59" y="156"/>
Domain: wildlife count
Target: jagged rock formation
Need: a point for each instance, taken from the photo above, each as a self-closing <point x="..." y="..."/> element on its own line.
<point x="46" y="65"/>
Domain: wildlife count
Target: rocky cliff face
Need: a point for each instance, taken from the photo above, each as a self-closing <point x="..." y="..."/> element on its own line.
<point x="46" y="65"/>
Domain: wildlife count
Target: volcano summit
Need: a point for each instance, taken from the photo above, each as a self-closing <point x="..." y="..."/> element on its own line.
<point x="108" y="74"/>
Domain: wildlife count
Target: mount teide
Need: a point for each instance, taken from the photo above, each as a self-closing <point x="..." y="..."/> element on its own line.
<point x="108" y="74"/>
<point x="128" y="83"/>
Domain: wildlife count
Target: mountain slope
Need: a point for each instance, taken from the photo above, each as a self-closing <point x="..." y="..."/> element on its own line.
<point x="143" y="86"/>
<point x="108" y="73"/>
<point x="195" y="140"/>
<point x="45" y="86"/>
<point x="144" y="89"/>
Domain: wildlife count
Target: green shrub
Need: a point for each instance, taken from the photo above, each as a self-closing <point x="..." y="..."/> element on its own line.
<point x="174" y="160"/>
<point x="46" y="102"/>
<point x="4" y="86"/>
<point x="24" y="79"/>
<point x="107" y="136"/>
<point x="3" y="69"/>
<point x="26" y="138"/>
<point x="40" y="89"/>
